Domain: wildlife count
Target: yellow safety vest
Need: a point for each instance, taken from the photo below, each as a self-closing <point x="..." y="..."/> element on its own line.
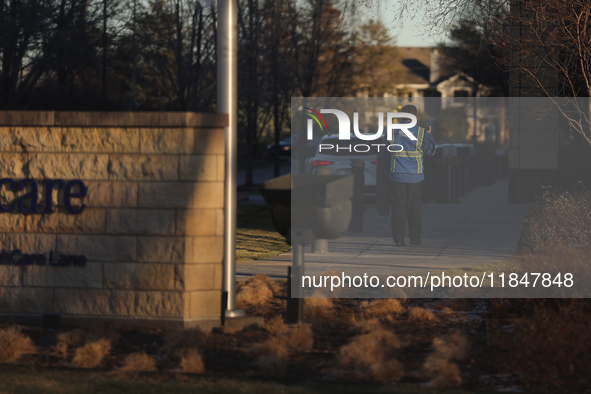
<point x="417" y="154"/>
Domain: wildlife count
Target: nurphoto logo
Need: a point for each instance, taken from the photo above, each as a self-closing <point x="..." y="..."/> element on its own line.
<point x="344" y="131"/>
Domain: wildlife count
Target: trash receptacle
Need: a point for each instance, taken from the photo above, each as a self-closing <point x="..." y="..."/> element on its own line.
<point x="320" y="203"/>
<point x="305" y="207"/>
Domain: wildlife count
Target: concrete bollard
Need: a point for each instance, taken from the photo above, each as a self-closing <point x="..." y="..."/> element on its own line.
<point x="358" y="170"/>
<point x="295" y="305"/>
<point x="321" y="245"/>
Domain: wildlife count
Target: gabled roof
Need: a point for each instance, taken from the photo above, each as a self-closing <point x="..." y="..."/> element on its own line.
<point x="460" y="76"/>
<point x="415" y="64"/>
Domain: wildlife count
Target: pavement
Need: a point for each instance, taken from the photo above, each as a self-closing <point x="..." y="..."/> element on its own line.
<point x="481" y="229"/>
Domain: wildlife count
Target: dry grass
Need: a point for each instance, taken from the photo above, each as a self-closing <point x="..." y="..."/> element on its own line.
<point x="257" y="290"/>
<point x="447" y="311"/>
<point x="272" y="355"/>
<point x="256" y="237"/>
<point x="275" y="325"/>
<point x="557" y="219"/>
<point x="228" y="330"/>
<point x="14" y="344"/>
<point x="68" y="340"/>
<point x="178" y="341"/>
<point x="551" y="343"/>
<point x="556" y="263"/>
<point x="421" y="314"/>
<point x="440" y="365"/>
<point x="138" y="362"/>
<point x="192" y="361"/>
<point x="92" y="354"/>
<point x="448" y="376"/>
<point x="385" y="308"/>
<point x="551" y="346"/>
<point x="459" y="304"/>
<point x="319" y="309"/>
<point x="294" y="338"/>
<point x="371" y="355"/>
<point x="300" y="338"/>
<point x="368" y="325"/>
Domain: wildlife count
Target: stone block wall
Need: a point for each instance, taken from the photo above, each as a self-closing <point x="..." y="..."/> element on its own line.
<point x="151" y="226"/>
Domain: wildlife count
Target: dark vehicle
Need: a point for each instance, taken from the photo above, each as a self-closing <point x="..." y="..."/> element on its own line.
<point x="338" y="159"/>
<point x="451" y="153"/>
<point x="284" y="148"/>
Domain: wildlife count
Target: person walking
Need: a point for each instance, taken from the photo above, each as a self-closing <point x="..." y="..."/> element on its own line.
<point x="405" y="178"/>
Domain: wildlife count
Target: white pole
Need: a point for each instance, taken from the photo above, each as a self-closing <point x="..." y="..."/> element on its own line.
<point x="227" y="102"/>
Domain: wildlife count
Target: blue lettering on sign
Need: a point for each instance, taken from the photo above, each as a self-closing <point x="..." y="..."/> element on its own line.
<point x="16" y="257"/>
<point x="73" y="193"/>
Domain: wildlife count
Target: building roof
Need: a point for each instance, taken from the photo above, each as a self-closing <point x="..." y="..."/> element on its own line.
<point x="415" y="63"/>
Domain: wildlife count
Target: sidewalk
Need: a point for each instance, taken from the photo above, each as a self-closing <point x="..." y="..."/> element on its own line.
<point x="483" y="228"/>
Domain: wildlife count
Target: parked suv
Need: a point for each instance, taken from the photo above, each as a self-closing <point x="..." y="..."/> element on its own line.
<point x="338" y="159"/>
<point x="284" y="148"/>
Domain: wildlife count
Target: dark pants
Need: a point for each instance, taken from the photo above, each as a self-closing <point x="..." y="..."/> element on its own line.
<point x="406" y="200"/>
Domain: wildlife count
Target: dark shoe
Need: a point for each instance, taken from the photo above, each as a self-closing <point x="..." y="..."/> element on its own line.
<point x="415" y="242"/>
<point x="399" y="244"/>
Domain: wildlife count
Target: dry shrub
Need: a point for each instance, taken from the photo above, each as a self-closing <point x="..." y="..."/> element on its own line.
<point x="452" y="347"/>
<point x="228" y="330"/>
<point x="70" y="339"/>
<point x="459" y="304"/>
<point x="275" y="325"/>
<point x="272" y="355"/>
<point x="417" y="313"/>
<point x="555" y="264"/>
<point x="385" y="307"/>
<point x="61" y="349"/>
<point x="368" y="325"/>
<point x="257" y="290"/>
<point x="178" y="341"/>
<point x="551" y="348"/>
<point x="92" y="354"/>
<point x="557" y="219"/>
<point x="192" y="361"/>
<point x="447" y="376"/>
<point x="371" y="355"/>
<point x="440" y="365"/>
<point x="446" y="310"/>
<point x="138" y="362"/>
<point x="14" y="344"/>
<point x="300" y="337"/>
<point x="295" y="338"/>
<point x="319" y="309"/>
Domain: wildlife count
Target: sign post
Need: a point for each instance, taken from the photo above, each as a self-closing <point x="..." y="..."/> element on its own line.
<point x="450" y="159"/>
<point x="227" y="103"/>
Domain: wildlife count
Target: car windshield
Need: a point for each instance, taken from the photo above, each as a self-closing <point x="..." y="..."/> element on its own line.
<point x="352" y="147"/>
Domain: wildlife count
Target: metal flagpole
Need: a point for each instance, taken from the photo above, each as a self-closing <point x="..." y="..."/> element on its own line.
<point x="227" y="103"/>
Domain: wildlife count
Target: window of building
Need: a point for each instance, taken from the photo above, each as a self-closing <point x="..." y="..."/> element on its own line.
<point x="461" y="96"/>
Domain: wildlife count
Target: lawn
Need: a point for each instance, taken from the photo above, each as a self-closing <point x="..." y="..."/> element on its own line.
<point x="256" y="237"/>
<point x="29" y="379"/>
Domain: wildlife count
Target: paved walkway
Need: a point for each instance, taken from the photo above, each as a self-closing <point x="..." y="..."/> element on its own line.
<point x="483" y="228"/>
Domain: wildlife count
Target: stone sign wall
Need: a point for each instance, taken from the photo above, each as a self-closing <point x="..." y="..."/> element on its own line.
<point x="112" y="216"/>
